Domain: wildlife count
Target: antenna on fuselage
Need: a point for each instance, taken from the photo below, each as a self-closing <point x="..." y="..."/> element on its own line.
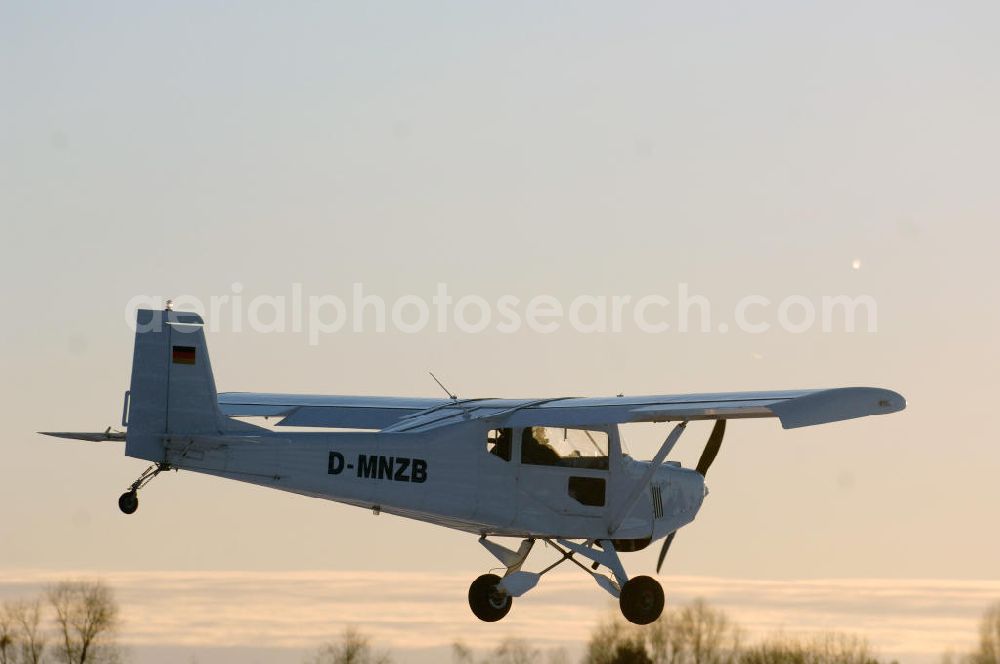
<point x="451" y="396"/>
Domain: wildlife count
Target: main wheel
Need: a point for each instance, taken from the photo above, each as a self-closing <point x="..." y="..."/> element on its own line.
<point x="128" y="502"/>
<point x="641" y="600"/>
<point x="486" y="601"/>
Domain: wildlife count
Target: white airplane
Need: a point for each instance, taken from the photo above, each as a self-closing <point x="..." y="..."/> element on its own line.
<point x="536" y="469"/>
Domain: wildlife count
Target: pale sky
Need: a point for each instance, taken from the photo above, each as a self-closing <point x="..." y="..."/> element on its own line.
<point x="566" y="149"/>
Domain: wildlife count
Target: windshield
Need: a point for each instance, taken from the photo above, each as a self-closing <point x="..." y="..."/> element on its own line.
<point x="562" y="446"/>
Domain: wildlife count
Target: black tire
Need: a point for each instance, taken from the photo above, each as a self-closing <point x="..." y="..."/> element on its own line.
<point x="486" y="601"/>
<point x="641" y="600"/>
<point x="128" y="502"/>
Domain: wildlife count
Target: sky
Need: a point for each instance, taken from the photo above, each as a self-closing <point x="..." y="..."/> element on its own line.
<point x="770" y="149"/>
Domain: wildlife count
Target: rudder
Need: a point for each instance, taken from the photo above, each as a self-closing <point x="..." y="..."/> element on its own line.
<point x="172" y="388"/>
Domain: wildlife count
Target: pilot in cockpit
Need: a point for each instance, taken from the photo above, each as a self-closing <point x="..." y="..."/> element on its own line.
<point x="536" y="451"/>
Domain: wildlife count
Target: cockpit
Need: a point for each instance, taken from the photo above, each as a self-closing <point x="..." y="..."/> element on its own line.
<point x="553" y="446"/>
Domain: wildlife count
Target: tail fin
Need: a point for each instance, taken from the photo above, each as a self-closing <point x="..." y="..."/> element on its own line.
<point x="172" y="390"/>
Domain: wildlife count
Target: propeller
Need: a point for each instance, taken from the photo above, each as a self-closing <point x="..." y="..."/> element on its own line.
<point x="707" y="457"/>
<point x="711" y="447"/>
<point x="663" y="550"/>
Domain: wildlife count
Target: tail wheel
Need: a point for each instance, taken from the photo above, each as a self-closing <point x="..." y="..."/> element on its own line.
<point x="128" y="502"/>
<point x="641" y="600"/>
<point x="486" y="601"/>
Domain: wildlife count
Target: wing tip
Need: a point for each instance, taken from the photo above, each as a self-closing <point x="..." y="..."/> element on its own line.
<point x="835" y="405"/>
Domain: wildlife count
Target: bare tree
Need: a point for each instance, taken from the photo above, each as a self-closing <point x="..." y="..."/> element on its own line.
<point x="509" y="651"/>
<point x="515" y="651"/>
<point x="631" y="652"/>
<point x="26" y="618"/>
<point x="823" y="649"/>
<point x="988" y="651"/>
<point x="461" y="653"/>
<point x="86" y="617"/>
<point x="8" y="638"/>
<point x="352" y="648"/>
<point x="615" y="642"/>
<point x="694" y="634"/>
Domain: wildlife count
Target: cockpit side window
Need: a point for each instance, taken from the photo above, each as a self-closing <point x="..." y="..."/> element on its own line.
<point x="498" y="442"/>
<point x="561" y="446"/>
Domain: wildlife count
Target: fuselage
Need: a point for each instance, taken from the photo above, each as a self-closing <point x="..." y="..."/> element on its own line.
<point x="455" y="477"/>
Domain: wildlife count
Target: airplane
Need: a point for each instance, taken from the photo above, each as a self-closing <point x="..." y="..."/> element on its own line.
<point x="549" y="469"/>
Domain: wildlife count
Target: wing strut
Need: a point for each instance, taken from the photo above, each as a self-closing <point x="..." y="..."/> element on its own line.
<point x="707" y="457"/>
<point x="629" y="502"/>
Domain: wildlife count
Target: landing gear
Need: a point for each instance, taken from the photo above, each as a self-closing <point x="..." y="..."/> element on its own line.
<point x="641" y="600"/>
<point x="128" y="502"/>
<point x="487" y="600"/>
<point x="490" y="596"/>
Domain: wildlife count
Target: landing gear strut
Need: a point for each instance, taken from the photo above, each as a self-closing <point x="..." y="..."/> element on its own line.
<point x="490" y="596"/>
<point x="128" y="502"/>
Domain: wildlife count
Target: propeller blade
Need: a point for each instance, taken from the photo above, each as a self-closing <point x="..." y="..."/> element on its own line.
<point x="711" y="447"/>
<point x="707" y="457"/>
<point x="663" y="550"/>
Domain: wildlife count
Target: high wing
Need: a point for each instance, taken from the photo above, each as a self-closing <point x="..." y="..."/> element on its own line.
<point x="344" y="412"/>
<point x="793" y="408"/>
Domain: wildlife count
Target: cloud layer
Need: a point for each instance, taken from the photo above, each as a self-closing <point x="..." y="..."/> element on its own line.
<point x="403" y="611"/>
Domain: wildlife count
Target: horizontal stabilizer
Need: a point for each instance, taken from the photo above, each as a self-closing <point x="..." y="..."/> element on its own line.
<point x="92" y="437"/>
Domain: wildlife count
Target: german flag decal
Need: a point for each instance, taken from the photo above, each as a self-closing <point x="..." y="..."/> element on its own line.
<point x="184" y="354"/>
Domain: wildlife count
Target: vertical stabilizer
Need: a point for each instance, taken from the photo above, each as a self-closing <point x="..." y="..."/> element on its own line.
<point x="172" y="389"/>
